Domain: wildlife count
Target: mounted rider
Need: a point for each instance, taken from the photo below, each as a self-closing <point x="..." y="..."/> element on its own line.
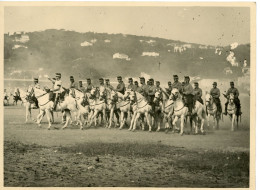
<point x="73" y="85"/>
<point x="188" y="95"/>
<point x="215" y="93"/>
<point x="57" y="89"/>
<point x="137" y="87"/>
<point x="169" y="89"/>
<point x="143" y="87"/>
<point x="108" y="85"/>
<point x="197" y="92"/>
<point x="121" y="85"/>
<point x="131" y="86"/>
<point x="233" y="90"/>
<point x="151" y="91"/>
<point x="89" y="86"/>
<point x="176" y="83"/>
<point x="157" y="86"/>
<point x="33" y="98"/>
<point x="81" y="87"/>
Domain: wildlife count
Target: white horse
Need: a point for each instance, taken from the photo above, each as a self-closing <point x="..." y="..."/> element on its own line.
<point x="120" y="104"/>
<point x="81" y="110"/>
<point x="142" y="107"/>
<point x="98" y="95"/>
<point x="180" y="110"/>
<point x="212" y="110"/>
<point x="46" y="106"/>
<point x="232" y="110"/>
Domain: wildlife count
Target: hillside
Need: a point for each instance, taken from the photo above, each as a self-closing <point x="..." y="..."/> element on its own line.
<point x="97" y="54"/>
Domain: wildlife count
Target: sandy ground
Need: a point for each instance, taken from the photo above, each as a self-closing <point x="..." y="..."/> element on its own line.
<point x="35" y="156"/>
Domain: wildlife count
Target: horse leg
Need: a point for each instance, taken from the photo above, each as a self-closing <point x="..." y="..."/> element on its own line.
<point x="233" y="121"/>
<point x="111" y="118"/>
<point x="182" y="124"/>
<point x="26" y="113"/>
<point x="132" y="121"/>
<point x="195" y="124"/>
<point x="208" y="117"/>
<point x="48" y="118"/>
<point x="148" y="120"/>
<point x="121" y="120"/>
<point x="39" y="118"/>
<point x="215" y="118"/>
<point x="117" y="117"/>
<point x="104" y="117"/>
<point x="68" y="118"/>
<point x="136" y="118"/>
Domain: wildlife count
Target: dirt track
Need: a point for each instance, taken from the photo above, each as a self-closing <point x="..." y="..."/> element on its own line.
<point x="37" y="157"/>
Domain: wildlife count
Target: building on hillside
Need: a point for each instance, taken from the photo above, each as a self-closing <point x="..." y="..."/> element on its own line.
<point x="23" y="39"/>
<point x="121" y="56"/>
<point x="153" y="54"/>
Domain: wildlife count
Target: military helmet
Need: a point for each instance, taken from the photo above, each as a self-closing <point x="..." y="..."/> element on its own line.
<point x="215" y="83"/>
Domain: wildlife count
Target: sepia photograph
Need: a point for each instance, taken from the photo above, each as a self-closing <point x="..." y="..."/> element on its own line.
<point x="128" y="94"/>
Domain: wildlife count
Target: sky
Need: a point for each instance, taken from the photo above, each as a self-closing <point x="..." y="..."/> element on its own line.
<point x="204" y="25"/>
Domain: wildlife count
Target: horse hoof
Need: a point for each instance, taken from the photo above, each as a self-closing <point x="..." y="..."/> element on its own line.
<point x="181" y="134"/>
<point x="157" y="130"/>
<point x="49" y="128"/>
<point x="81" y="128"/>
<point x="133" y="130"/>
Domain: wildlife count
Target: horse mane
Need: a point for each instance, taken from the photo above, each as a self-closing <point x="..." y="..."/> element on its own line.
<point x="165" y="95"/>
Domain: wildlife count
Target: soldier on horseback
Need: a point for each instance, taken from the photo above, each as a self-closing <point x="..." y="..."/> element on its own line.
<point x="73" y="86"/>
<point x="151" y="93"/>
<point x="143" y="87"/>
<point x="157" y="86"/>
<point x="108" y="85"/>
<point x="33" y="98"/>
<point x="176" y="84"/>
<point x="188" y="94"/>
<point x="169" y="89"/>
<point x="137" y="87"/>
<point x="234" y="91"/>
<point x="131" y="85"/>
<point x="90" y="85"/>
<point x="215" y="93"/>
<point x="56" y="89"/>
<point x="81" y="87"/>
<point x="121" y="85"/>
<point x="197" y="92"/>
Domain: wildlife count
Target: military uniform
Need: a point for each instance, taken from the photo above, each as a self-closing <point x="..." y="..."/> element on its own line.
<point x="198" y="94"/>
<point x="234" y="91"/>
<point x="188" y="95"/>
<point x="177" y="85"/>
<point x="89" y="86"/>
<point x="215" y="93"/>
<point x="57" y="89"/>
<point x="33" y="98"/>
<point x="131" y="86"/>
<point x="81" y="87"/>
<point x="121" y="86"/>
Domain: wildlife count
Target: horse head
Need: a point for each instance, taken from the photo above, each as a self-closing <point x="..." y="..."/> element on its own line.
<point x="114" y="96"/>
<point x="174" y="94"/>
<point x="157" y="96"/>
<point x="208" y="99"/>
<point x="132" y="96"/>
